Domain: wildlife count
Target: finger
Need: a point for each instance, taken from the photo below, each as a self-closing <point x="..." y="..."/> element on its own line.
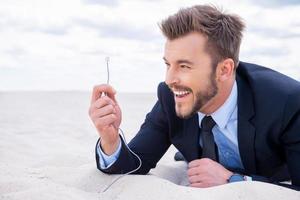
<point x="106" y="110"/>
<point x="98" y="104"/>
<point x="103" y="122"/>
<point x="196" y="171"/>
<point x="98" y="90"/>
<point x="193" y="171"/>
<point x="103" y="101"/>
<point x="199" y="162"/>
<point x="194" y="179"/>
<point x="193" y="163"/>
<point x="199" y="185"/>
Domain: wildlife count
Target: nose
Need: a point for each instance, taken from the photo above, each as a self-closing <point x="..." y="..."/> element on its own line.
<point x="171" y="76"/>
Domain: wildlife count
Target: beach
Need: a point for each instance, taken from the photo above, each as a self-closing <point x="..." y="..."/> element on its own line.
<point x="47" y="146"/>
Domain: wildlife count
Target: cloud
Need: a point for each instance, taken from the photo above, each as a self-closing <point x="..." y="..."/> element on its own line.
<point x="30" y="24"/>
<point x="120" y="30"/>
<point x="267" y="52"/>
<point x="109" y="3"/>
<point x="8" y="22"/>
<point x="275" y="3"/>
<point x="99" y="52"/>
<point x="63" y="44"/>
<point x="15" y="51"/>
<point x="274" y="32"/>
<point x="51" y="30"/>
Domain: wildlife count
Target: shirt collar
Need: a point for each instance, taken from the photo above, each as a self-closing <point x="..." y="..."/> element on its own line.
<point x="223" y="114"/>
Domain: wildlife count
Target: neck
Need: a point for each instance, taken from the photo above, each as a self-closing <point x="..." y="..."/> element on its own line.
<point x="216" y="102"/>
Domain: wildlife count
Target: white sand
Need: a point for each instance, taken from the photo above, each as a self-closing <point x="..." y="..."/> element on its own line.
<point x="47" y="152"/>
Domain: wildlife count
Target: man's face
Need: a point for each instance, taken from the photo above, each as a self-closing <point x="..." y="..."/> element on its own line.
<point x="190" y="74"/>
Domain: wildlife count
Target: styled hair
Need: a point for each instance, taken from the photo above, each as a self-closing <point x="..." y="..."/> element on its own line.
<point x="223" y="31"/>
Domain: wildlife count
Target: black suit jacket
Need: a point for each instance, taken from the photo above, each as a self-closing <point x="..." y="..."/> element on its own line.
<point x="268" y="128"/>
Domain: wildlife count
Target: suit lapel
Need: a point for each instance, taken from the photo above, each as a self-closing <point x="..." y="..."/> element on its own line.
<point x="187" y="142"/>
<point x="246" y="130"/>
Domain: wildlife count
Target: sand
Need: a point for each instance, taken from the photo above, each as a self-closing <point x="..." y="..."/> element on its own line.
<point x="47" y="152"/>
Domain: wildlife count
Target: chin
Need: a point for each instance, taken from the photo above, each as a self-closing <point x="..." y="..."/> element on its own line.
<point x="184" y="113"/>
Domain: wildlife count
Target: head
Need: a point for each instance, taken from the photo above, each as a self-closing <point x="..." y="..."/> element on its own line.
<point x="201" y="54"/>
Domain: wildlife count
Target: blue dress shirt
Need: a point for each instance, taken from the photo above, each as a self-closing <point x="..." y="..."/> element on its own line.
<point x="225" y="131"/>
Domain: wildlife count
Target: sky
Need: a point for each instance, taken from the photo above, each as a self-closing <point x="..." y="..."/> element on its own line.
<point x="62" y="44"/>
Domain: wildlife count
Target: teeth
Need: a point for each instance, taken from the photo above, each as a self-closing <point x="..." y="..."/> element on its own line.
<point x="180" y="93"/>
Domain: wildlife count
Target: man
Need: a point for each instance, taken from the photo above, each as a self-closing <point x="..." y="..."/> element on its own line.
<point x="232" y="121"/>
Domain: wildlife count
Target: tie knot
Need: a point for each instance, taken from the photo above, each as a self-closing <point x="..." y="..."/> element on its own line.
<point x="207" y="123"/>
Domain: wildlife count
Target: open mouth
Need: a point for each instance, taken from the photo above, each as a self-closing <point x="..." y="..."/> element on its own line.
<point x="181" y="94"/>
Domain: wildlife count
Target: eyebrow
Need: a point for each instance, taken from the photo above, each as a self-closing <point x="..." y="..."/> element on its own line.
<point x="181" y="61"/>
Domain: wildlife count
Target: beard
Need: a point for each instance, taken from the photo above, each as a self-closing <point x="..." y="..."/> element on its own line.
<point x="201" y="98"/>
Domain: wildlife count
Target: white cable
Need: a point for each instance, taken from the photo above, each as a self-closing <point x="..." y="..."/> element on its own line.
<point x="107" y="70"/>
<point x="122" y="135"/>
<point x="132" y="171"/>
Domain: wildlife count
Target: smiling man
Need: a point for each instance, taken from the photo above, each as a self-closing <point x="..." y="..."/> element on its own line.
<point x="191" y="75"/>
<point x="231" y="121"/>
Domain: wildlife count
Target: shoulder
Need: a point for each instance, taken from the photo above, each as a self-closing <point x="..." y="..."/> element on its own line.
<point x="266" y="80"/>
<point x="167" y="102"/>
<point x="274" y="95"/>
<point x="164" y="94"/>
<point x="166" y="98"/>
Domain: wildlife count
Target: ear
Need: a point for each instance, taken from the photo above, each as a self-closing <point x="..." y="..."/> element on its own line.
<point x="225" y="70"/>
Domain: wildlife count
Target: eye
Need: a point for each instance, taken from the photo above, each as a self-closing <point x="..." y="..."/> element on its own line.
<point x="185" y="67"/>
<point x="168" y="65"/>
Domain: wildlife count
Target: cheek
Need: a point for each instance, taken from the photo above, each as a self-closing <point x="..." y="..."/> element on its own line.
<point x="201" y="81"/>
<point x="197" y="84"/>
<point x="190" y="80"/>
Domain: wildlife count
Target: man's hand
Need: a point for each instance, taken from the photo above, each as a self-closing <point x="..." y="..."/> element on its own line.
<point x="106" y="116"/>
<point x="206" y="173"/>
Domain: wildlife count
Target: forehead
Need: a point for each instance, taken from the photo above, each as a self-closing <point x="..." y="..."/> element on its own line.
<point x="190" y="46"/>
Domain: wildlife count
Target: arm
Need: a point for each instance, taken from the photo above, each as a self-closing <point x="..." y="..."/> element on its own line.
<point x="150" y="143"/>
<point x="106" y="161"/>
